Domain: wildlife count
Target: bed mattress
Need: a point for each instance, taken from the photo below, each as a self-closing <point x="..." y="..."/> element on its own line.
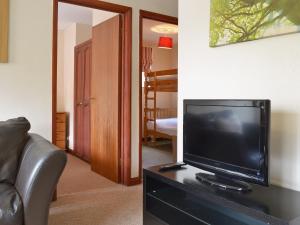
<point x="166" y="126"/>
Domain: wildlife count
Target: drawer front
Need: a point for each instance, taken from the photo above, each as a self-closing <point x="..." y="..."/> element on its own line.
<point x="149" y="219"/>
<point x="61" y="144"/>
<point x="61" y="127"/>
<point x="170" y="214"/>
<point x="61" y="118"/>
<point x="60" y="136"/>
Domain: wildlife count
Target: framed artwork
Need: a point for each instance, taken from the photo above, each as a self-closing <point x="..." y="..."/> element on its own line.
<point x="4" y="31"/>
<point x="234" y="21"/>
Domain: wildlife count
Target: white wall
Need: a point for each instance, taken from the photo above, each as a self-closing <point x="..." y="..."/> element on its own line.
<point x="68" y="85"/>
<point x="73" y="35"/>
<point x="83" y="33"/>
<point x="267" y="68"/>
<point x="60" y="72"/>
<point x="25" y="82"/>
<point x="174" y="61"/>
<point x="100" y="16"/>
<point x="162" y="58"/>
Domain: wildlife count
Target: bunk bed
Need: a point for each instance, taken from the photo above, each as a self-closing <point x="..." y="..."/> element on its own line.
<point x="160" y="122"/>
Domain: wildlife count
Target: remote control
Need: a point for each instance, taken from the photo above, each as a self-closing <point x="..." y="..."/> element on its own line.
<point x="172" y="166"/>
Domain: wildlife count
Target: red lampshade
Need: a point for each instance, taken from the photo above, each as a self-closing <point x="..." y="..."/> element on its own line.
<point x="165" y="42"/>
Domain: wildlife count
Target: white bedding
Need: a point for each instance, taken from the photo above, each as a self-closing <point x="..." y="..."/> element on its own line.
<point x="166" y="126"/>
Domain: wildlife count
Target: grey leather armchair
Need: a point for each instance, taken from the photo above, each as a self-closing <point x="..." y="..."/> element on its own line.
<point x="40" y="167"/>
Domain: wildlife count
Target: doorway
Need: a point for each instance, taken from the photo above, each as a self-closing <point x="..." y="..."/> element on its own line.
<point x="158" y="89"/>
<point x="118" y="144"/>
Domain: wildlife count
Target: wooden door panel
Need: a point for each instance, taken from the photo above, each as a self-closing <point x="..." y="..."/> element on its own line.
<point x="86" y="104"/>
<point x="83" y="58"/>
<point x="78" y="97"/>
<point x="105" y="107"/>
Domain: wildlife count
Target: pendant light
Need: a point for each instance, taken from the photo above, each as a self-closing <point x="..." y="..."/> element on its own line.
<point x="165" y="42"/>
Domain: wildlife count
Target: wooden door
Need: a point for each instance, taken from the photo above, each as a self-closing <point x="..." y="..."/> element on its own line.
<point x="82" y="118"/>
<point x="106" y="101"/>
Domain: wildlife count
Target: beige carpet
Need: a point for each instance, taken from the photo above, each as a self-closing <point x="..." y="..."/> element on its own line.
<point x="157" y="155"/>
<point x="85" y="198"/>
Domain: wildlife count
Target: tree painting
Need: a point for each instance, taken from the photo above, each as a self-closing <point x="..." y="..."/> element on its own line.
<point x="235" y="21"/>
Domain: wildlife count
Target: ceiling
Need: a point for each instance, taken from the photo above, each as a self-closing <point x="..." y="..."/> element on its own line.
<point x="68" y="14"/>
<point x="151" y="37"/>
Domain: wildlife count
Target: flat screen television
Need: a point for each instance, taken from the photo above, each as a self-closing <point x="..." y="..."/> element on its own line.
<point x="229" y="138"/>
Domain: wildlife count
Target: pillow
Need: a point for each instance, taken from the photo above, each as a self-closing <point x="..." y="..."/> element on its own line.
<point x="13" y="137"/>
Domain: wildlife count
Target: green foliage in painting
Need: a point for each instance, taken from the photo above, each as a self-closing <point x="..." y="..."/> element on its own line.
<point x="244" y="20"/>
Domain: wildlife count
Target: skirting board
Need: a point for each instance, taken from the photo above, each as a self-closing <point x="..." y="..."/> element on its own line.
<point x="135" y="181"/>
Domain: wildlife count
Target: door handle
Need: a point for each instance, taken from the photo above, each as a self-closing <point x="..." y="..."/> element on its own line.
<point x="80" y="103"/>
<point x="86" y="102"/>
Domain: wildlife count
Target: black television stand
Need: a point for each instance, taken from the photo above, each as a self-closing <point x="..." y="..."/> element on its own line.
<point x="178" y="198"/>
<point x="223" y="183"/>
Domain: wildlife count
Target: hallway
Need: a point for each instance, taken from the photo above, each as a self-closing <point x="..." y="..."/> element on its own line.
<point x="85" y="198"/>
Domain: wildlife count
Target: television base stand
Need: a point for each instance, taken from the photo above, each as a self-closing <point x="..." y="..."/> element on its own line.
<point x="223" y="183"/>
<point x="176" y="197"/>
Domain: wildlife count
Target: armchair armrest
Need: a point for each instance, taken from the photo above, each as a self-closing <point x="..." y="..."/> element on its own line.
<point x="40" y="168"/>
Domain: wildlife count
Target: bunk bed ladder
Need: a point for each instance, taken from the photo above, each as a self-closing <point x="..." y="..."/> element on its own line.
<point x="157" y="81"/>
<point x="150" y="112"/>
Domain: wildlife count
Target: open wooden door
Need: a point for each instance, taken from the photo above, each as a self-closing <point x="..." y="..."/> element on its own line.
<point x="105" y="98"/>
<point x="82" y="93"/>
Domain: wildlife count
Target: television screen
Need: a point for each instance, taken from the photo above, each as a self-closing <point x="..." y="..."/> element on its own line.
<point x="228" y="137"/>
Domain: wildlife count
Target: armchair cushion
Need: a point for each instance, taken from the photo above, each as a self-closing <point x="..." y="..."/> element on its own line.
<point x="13" y="137"/>
<point x="41" y="165"/>
<point x="11" y="209"/>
